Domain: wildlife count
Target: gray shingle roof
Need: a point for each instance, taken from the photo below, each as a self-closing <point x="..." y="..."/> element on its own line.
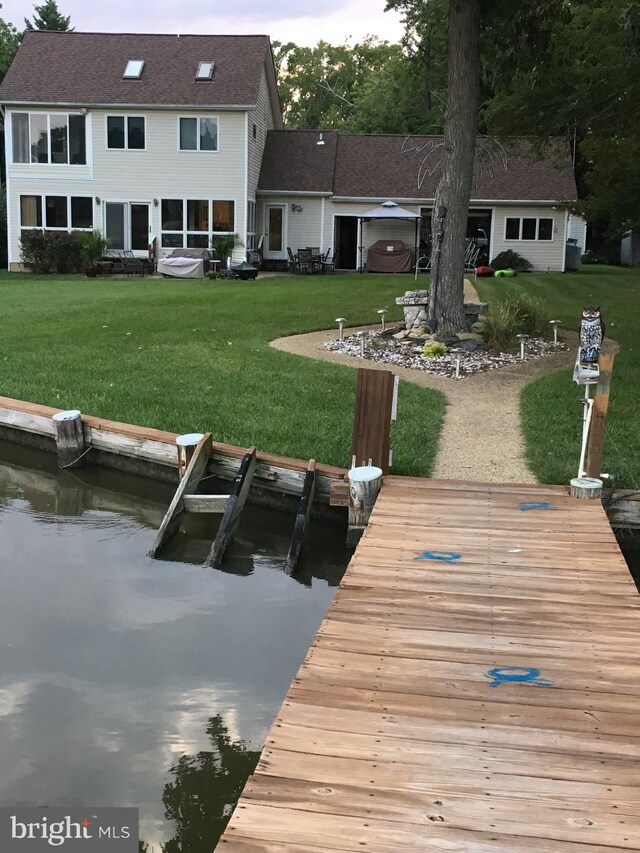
<point x="390" y="166"/>
<point x="87" y="68"/>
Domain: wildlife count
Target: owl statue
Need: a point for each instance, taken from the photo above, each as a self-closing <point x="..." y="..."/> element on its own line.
<point x="591" y="336"/>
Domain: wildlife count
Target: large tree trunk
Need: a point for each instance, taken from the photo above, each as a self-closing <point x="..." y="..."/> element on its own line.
<point x="451" y="204"/>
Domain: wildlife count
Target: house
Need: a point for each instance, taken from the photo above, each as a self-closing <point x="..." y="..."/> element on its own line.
<point x="317" y="186"/>
<point x="139" y="136"/>
<point x="179" y="139"/>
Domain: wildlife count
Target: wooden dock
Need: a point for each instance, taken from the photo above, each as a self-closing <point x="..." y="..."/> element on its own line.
<point x="474" y="688"/>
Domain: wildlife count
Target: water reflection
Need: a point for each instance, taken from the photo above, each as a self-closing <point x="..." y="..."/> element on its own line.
<point x="130" y="681"/>
<point x="206" y="787"/>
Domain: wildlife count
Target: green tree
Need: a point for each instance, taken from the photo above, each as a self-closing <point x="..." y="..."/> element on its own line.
<point x="588" y="90"/>
<point x="320" y="86"/>
<point x="523" y="34"/>
<point x="9" y="44"/>
<point x="49" y="17"/>
<point x="206" y="789"/>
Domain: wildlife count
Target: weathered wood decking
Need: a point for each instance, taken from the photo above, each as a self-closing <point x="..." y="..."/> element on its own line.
<point x="474" y="687"/>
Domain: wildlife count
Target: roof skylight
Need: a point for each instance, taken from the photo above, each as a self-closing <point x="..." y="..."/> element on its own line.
<point x="205" y="71"/>
<point x="133" y="69"/>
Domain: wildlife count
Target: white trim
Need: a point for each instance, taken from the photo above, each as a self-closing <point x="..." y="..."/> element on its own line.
<point x="245" y="239"/>
<point x="426" y="200"/>
<point x="492" y="236"/>
<point x="49" y="164"/>
<point x="536" y="239"/>
<point x="185" y="230"/>
<point x="7" y="137"/>
<point x="129" y="106"/>
<point x="274" y="256"/>
<point x="199" y="150"/>
<point x="126" y="117"/>
<point x="280" y="193"/>
<point x="321" y="244"/>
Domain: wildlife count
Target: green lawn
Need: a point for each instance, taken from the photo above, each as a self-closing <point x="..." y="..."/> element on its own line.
<point x="550" y="409"/>
<point x="194" y="356"/>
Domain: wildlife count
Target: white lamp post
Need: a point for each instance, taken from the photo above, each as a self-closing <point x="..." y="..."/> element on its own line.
<point x="522" y="338"/>
<point x="362" y="336"/>
<point x="381" y="314"/>
<point x="341" y="321"/>
<point x="554" y="325"/>
<point x="458" y="353"/>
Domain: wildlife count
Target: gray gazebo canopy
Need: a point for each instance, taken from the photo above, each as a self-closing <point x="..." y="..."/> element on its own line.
<point x="387" y="210"/>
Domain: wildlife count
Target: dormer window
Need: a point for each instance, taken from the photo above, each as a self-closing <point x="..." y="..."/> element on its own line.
<point x="205" y="71"/>
<point x="133" y="69"/>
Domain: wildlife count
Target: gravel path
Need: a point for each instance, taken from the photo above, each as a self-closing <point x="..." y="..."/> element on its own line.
<point x="481" y="438"/>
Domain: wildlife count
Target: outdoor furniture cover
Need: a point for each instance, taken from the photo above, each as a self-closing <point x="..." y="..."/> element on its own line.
<point x="389" y="256"/>
<point x="181" y="267"/>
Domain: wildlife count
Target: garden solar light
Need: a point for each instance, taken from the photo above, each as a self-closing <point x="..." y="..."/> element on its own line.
<point x="381" y="314"/>
<point x="458" y="352"/>
<point x="522" y="338"/>
<point x="554" y="325"/>
<point x="362" y="336"/>
<point x="341" y="321"/>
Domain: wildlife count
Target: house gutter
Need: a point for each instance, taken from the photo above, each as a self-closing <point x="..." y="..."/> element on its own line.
<point x="128" y="106"/>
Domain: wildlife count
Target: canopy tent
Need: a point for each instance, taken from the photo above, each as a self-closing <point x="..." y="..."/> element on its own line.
<point x="387" y="210"/>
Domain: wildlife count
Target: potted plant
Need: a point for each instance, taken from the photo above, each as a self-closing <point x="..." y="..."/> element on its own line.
<point x="94" y="245"/>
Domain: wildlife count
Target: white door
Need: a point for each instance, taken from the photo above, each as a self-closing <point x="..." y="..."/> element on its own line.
<point x="274" y="237"/>
<point x="127" y="226"/>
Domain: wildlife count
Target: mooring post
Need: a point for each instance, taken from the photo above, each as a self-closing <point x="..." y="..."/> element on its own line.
<point x="595" y="444"/>
<point x="69" y="438"/>
<point x="364" y="485"/>
<point x="586" y="488"/>
<point x="186" y="448"/>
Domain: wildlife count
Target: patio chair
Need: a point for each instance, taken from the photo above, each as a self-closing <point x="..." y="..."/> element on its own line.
<point x="132" y="265"/>
<point x="423" y="264"/>
<point x="306" y="264"/>
<point x="327" y="261"/>
<point x="293" y="261"/>
<point x="471" y="256"/>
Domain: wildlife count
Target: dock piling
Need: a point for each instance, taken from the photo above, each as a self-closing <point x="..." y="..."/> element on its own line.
<point x="69" y="438"/>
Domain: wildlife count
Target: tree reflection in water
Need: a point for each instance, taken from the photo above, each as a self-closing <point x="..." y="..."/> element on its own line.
<point x="206" y="788"/>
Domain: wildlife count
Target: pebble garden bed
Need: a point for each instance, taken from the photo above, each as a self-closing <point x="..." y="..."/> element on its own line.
<point x="382" y="347"/>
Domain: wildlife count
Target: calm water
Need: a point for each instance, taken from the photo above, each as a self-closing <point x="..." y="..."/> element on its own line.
<point x="126" y="681"/>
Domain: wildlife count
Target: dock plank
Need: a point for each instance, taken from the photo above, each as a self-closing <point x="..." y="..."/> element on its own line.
<point x="475" y="685"/>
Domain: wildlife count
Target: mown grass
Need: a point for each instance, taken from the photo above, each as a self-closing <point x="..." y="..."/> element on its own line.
<point x="551" y="411"/>
<point x="194" y="356"/>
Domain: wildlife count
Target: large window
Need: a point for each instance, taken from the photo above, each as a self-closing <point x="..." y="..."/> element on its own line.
<point x="198" y="134"/>
<point x="126" y="132"/>
<point x="58" y="212"/>
<point x="528" y="228"/>
<point x="192" y="223"/>
<point x="58" y="138"/>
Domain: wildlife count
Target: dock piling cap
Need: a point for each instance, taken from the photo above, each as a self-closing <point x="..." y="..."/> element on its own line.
<point x="189" y="439"/>
<point x="365" y="473"/>
<point x="69" y="415"/>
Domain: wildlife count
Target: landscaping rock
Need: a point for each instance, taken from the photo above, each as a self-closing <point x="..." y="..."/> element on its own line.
<point x="400" y="336"/>
<point x="474" y="345"/>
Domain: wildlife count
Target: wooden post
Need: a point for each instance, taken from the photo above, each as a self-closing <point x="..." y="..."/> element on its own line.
<point x="595" y="445"/>
<point x="69" y="438"/>
<point x="302" y="518"/>
<point x="188" y="483"/>
<point x="233" y="509"/>
<point x="372" y="421"/>
<point x="585" y="488"/>
<point x="186" y="448"/>
<point x="364" y="485"/>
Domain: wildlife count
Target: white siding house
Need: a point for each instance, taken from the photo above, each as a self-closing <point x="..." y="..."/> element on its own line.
<point x="112" y="156"/>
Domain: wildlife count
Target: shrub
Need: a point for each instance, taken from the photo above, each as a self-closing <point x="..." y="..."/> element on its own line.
<point x="50" y="251"/>
<point x="510" y="260"/>
<point x="435" y="350"/>
<point x="590" y="257"/>
<point x="35" y="252"/>
<point x="532" y="317"/>
<point x="499" y="326"/>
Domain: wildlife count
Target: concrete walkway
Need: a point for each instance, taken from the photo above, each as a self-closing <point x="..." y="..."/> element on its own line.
<point x="482" y="436"/>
